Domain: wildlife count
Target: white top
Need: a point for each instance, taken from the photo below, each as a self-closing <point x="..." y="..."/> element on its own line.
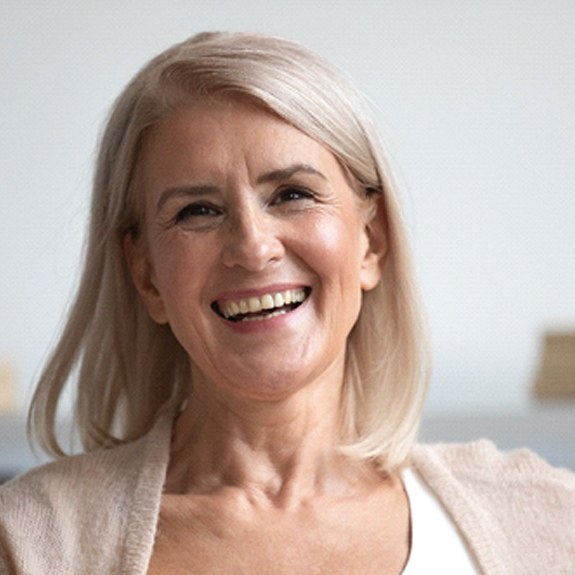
<point x="436" y="544"/>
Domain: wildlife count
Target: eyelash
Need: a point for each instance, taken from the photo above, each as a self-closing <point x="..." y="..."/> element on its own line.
<point x="196" y="211"/>
<point x="301" y="193"/>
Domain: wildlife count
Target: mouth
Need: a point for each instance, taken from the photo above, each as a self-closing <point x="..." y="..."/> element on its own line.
<point x="262" y="307"/>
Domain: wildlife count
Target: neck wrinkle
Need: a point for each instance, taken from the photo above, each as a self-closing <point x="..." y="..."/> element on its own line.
<point x="281" y="452"/>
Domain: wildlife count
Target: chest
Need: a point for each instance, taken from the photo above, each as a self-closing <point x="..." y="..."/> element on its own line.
<point x="192" y="540"/>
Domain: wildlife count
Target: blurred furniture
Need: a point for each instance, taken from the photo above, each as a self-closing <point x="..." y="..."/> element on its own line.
<point x="556" y="375"/>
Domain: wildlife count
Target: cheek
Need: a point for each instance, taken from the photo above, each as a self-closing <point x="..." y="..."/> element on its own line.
<point x="335" y="257"/>
<point x="336" y="246"/>
<point x="176" y="275"/>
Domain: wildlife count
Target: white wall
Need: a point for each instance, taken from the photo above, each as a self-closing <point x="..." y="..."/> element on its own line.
<point x="476" y="100"/>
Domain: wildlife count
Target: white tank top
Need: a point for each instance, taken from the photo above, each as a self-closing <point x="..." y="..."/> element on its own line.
<point x="436" y="544"/>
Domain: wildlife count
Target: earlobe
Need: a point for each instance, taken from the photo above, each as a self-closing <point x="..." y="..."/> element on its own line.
<point x="138" y="261"/>
<point x="376" y="244"/>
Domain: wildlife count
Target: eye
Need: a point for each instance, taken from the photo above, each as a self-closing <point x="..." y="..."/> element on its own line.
<point x="197" y="210"/>
<point x="292" y="194"/>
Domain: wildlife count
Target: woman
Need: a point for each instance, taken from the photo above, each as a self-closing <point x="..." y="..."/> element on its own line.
<point x="249" y="353"/>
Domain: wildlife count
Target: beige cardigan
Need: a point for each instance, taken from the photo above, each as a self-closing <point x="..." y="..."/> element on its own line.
<point x="96" y="514"/>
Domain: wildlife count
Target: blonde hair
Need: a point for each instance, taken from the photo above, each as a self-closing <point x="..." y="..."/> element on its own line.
<point x="124" y="367"/>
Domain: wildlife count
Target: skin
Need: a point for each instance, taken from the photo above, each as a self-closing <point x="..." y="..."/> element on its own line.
<point x="239" y="204"/>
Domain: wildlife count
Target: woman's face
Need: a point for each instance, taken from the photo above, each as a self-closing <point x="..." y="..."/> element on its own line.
<point x="255" y="249"/>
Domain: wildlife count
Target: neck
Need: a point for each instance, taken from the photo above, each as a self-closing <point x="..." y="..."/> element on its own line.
<point x="283" y="451"/>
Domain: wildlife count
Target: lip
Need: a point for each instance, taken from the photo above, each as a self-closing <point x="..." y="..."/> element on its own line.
<point x="264" y="324"/>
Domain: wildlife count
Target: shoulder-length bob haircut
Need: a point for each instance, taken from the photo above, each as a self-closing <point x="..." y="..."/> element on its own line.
<point x="123" y="366"/>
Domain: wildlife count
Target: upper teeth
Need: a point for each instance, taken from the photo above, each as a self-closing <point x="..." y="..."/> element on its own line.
<point x="264" y="302"/>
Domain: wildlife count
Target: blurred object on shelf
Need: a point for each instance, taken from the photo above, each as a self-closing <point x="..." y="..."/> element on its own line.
<point x="556" y="375"/>
<point x="8" y="395"/>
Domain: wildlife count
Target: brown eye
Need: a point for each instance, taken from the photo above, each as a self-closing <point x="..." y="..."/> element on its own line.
<point x="197" y="210"/>
<point x="292" y="195"/>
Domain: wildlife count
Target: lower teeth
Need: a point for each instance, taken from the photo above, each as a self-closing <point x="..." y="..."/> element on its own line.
<point x="263" y="317"/>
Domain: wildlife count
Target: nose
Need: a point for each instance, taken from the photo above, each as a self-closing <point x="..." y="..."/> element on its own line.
<point x="253" y="240"/>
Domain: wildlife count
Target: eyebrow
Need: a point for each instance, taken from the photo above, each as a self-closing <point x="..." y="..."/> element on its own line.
<point x="285" y="173"/>
<point x="207" y="190"/>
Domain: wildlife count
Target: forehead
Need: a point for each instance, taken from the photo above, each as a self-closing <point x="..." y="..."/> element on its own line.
<point x="214" y="136"/>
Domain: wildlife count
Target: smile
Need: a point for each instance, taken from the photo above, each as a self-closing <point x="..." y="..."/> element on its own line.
<point x="262" y="307"/>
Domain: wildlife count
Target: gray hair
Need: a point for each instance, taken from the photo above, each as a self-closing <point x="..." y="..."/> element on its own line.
<point x="124" y="366"/>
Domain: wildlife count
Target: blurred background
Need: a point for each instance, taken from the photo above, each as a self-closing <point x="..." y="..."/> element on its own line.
<point x="475" y="101"/>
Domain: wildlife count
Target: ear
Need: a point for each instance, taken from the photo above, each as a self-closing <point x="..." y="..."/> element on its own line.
<point x="375" y="244"/>
<point x="138" y="260"/>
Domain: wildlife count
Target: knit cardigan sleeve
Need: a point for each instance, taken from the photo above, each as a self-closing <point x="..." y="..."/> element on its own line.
<point x="97" y="513"/>
<point x="516" y="513"/>
<point x="90" y="514"/>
